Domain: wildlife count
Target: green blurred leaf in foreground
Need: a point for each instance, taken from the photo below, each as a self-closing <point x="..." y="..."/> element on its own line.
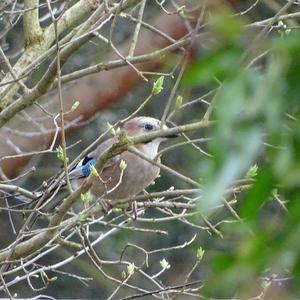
<point x="256" y="114"/>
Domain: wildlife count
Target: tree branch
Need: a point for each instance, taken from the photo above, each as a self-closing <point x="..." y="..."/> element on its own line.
<point x="37" y="43"/>
<point x="33" y="244"/>
<point x="33" y="32"/>
<point x="49" y="77"/>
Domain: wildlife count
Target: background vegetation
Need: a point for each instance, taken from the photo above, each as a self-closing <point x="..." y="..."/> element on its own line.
<point x="223" y="219"/>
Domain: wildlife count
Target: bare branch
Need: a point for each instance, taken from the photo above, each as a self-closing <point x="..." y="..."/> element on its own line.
<point x="32" y="30"/>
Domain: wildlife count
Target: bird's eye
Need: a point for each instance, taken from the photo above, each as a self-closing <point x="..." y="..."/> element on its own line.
<point x="148" y="126"/>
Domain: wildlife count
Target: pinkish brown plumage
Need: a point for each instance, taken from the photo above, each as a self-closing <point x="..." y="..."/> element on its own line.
<point x="138" y="173"/>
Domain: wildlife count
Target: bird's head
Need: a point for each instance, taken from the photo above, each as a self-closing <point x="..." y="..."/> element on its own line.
<point x="143" y="125"/>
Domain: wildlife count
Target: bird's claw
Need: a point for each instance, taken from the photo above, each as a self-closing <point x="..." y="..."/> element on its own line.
<point x="105" y="205"/>
<point x="133" y="209"/>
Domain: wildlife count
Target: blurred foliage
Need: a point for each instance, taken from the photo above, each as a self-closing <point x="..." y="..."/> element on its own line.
<point x="253" y="109"/>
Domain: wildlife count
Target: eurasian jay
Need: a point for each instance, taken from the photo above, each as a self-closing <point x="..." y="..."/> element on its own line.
<point x="115" y="183"/>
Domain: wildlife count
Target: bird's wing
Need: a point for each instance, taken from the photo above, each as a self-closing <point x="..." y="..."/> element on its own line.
<point x="83" y="168"/>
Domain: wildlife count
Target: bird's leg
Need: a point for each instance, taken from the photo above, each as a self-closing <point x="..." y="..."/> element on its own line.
<point x="105" y="205"/>
<point x="133" y="205"/>
<point x="133" y="209"/>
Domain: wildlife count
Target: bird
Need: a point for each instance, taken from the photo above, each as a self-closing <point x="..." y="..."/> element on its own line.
<point x="126" y="174"/>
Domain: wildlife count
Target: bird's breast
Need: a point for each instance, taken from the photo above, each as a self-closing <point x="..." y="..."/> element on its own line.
<point x="137" y="176"/>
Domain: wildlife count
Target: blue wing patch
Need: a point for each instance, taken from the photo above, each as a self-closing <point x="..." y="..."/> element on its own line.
<point x="86" y="168"/>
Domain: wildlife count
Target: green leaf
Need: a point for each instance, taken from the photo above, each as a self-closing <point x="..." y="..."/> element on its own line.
<point x="252" y="172"/>
<point x="158" y="85"/>
<point x="164" y="264"/>
<point x="258" y="194"/>
<point x="130" y="269"/>
<point x="75" y="106"/>
<point x="117" y="209"/>
<point x="82" y="217"/>
<point x="85" y="197"/>
<point x="282" y="29"/>
<point x="181" y="9"/>
<point x="199" y="254"/>
<point x="213" y="67"/>
<point x="178" y="103"/>
<point x="223" y="262"/>
<point x="123" y="165"/>
<point x="94" y="171"/>
<point x="111" y="129"/>
<point x="60" y="154"/>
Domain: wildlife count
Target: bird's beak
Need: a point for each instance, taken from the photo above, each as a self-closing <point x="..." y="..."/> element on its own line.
<point x="174" y="135"/>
